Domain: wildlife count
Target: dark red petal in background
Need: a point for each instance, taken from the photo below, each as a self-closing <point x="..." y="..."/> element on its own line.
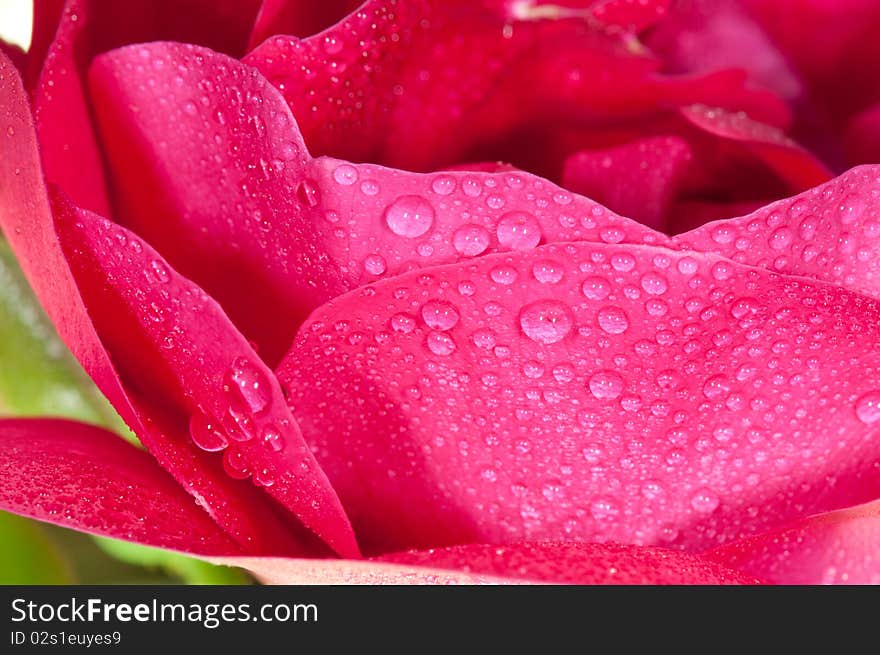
<point x="85" y="478"/>
<point x="528" y="563"/>
<point x="829" y="233"/>
<point x="28" y="224"/>
<point x="71" y="155"/>
<point x="639" y="179"/>
<point x="835" y="548"/>
<point x="301" y="18"/>
<point x="453" y="80"/>
<point x="600" y="392"/>
<point x="862" y="137"/>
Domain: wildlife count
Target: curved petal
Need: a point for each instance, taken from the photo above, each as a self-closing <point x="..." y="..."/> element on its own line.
<point x="601" y="392"/>
<point x="173" y="345"/>
<point x="82" y="477"/>
<point x="451" y="80"/>
<point x="28" y="224"/>
<point x="213" y="172"/>
<point x="835" y="548"/>
<point x="70" y="152"/>
<point x="555" y="563"/>
<point x="828" y="233"/>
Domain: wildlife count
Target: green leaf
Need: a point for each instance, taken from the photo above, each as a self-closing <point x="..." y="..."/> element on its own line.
<point x="28" y="554"/>
<point x="38" y="374"/>
<point x="191" y="571"/>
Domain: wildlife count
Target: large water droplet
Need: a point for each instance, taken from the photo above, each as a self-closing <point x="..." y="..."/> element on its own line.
<point x="547" y="271"/>
<point x="375" y="264"/>
<point x="439" y="315"/>
<point x="403" y="323"/>
<point x="546" y="321"/>
<point x="272" y="438"/>
<point x="606" y="385"/>
<point x="596" y="288"/>
<point x="234" y="464"/>
<point x="247" y="382"/>
<point x="308" y="193"/>
<point x="868" y="408"/>
<point x="654" y="283"/>
<point x="409" y="216"/>
<point x="205" y="433"/>
<point x="470" y="240"/>
<point x="613" y="320"/>
<point x="518" y="231"/>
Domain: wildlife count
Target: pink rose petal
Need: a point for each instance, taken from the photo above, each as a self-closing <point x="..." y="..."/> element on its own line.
<point x="557" y="563"/>
<point x="85" y="478"/>
<point x="828" y="233"/>
<point x="835" y="548"/>
<point x="28" y="224"/>
<point x="592" y="391"/>
<point x="71" y="154"/>
<point x="174" y="346"/>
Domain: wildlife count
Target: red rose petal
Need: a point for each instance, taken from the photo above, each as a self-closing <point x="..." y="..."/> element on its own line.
<point x="454" y="80"/>
<point x="212" y="171"/>
<point x="835" y="548"/>
<point x="85" y="478"/>
<point x="788" y="160"/>
<point x="600" y="392"/>
<point x="173" y="345"/>
<point x="555" y="563"/>
<point x="828" y="233"/>
<point x="28" y="224"/>
<point x="71" y="155"/>
<point x="862" y="137"/>
<point x="639" y="179"/>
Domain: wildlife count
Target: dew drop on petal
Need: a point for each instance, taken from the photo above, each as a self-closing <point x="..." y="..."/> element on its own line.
<point x="440" y="343"/>
<point x="868" y="408"/>
<point x="470" y="240"/>
<point x="518" y="231"/>
<point x="439" y="315"/>
<point x="409" y="216"/>
<point x="606" y="385"/>
<point x="246" y="380"/>
<point x="613" y="320"/>
<point x="205" y="433"/>
<point x="546" y="321"/>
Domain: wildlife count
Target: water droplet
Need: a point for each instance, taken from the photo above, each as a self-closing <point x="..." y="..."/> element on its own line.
<point x="623" y="262"/>
<point x="470" y="240"/>
<point x="409" y="216"/>
<point x="503" y="275"/>
<point x="548" y="272"/>
<point x="604" y="509"/>
<point x="868" y="408"/>
<point x="160" y="271"/>
<point x="613" y="320"/>
<point x="272" y="438"/>
<point x="518" y="231"/>
<point x="705" y="501"/>
<point x="716" y="387"/>
<point x="247" y="382"/>
<point x="781" y="238"/>
<point x="345" y="174"/>
<point x="205" y="433"/>
<point x="439" y="315"/>
<point x="234" y="464"/>
<point x="440" y="343"/>
<point x="606" y="385"/>
<point x="654" y="283"/>
<point x="375" y="264"/>
<point x="596" y="288"/>
<point x="308" y="193"/>
<point x="403" y="323"/>
<point x="443" y="185"/>
<point x="546" y="321"/>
